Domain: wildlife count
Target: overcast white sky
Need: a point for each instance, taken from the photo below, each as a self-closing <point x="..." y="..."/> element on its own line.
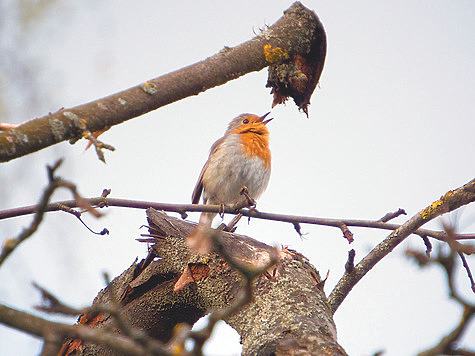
<point x="391" y="126"/>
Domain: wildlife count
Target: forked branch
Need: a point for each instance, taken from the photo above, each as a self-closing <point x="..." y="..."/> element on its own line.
<point x="450" y="201"/>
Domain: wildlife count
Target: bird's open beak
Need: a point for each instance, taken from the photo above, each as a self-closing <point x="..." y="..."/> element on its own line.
<point x="263" y="117"/>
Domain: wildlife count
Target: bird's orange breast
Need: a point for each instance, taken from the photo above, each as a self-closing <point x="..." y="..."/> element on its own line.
<point x="256" y="144"/>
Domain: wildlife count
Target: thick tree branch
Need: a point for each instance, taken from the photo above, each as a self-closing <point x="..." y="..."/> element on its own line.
<point x="450" y="201"/>
<point x="298" y="33"/>
<point x="249" y="274"/>
<point x="289" y="312"/>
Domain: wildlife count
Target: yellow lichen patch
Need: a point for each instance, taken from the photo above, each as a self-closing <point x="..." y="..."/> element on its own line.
<point x="178" y="349"/>
<point x="427" y="212"/>
<point x="431" y="209"/>
<point x="149" y="88"/>
<point x="9" y="243"/>
<point x="448" y="194"/>
<point x="274" y="54"/>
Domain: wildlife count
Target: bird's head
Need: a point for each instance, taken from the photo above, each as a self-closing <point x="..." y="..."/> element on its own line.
<point x="249" y="123"/>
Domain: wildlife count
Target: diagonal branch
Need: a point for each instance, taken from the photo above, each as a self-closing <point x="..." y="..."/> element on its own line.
<point x="44" y="328"/>
<point x="446" y="346"/>
<point x="55" y="337"/>
<point x="297" y="33"/>
<point x="40" y="209"/>
<point x="450" y="201"/>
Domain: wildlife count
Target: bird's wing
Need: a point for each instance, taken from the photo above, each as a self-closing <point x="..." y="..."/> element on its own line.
<point x="195" y="197"/>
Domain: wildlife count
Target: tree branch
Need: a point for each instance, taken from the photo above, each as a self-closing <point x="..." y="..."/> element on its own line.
<point x="448" y="344"/>
<point x="450" y="201"/>
<point x="173" y="285"/>
<point x="40" y="209"/>
<point x="184" y="208"/>
<point x="297" y="33"/>
<point x="44" y="328"/>
<point x="54" y="339"/>
<point x="249" y="273"/>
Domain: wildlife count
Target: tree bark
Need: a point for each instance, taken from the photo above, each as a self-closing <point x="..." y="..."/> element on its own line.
<point x="289" y="313"/>
<point x="294" y="48"/>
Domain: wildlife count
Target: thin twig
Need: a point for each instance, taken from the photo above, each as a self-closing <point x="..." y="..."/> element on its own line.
<point x="298" y="228"/>
<point x="447" y="344"/>
<point x="40" y="209"/>
<point x="181" y="208"/>
<point x="320" y="284"/>
<point x="231" y="226"/>
<point x="347" y="234"/>
<point x="460" y="249"/>
<point x="392" y="215"/>
<point x="467" y="268"/>
<point x="421" y="258"/>
<point x="77" y="214"/>
<point x="350" y="263"/>
<point x="98" y="145"/>
<point x="428" y="245"/>
<point x="51" y="304"/>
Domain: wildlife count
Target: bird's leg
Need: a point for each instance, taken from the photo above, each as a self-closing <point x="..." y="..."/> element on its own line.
<point x="251" y="202"/>
<point x="221" y="210"/>
<point x="214" y="201"/>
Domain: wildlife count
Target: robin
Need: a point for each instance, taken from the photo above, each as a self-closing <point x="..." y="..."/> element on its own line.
<point x="237" y="172"/>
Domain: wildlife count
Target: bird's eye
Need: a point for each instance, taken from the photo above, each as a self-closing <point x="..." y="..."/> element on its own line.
<point x="245" y="121"/>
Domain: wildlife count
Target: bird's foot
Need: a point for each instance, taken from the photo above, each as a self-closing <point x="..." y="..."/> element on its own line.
<point x="251" y="202"/>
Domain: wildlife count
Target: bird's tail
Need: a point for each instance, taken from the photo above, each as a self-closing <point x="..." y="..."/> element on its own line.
<point x="200" y="239"/>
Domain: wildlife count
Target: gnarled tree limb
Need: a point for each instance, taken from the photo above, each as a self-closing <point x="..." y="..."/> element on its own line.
<point x="289" y="313"/>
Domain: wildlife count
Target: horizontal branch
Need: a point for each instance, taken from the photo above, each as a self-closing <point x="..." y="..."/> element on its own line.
<point x="186" y="208"/>
<point x="294" y="34"/>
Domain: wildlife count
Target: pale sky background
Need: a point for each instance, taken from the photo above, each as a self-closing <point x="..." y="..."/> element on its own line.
<point x="391" y="126"/>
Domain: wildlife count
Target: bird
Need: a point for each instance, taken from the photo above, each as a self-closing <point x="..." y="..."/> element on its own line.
<point x="236" y="173"/>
